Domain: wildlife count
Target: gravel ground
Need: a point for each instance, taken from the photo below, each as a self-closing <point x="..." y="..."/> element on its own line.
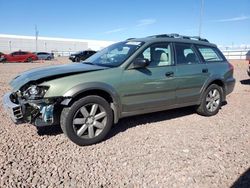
<point x="175" y="148"/>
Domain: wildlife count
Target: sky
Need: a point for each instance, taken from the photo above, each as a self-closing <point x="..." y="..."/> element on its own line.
<point x="224" y="22"/>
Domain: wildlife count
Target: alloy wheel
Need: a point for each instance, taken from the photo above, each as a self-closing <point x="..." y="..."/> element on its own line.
<point x="89" y="121"/>
<point x="213" y="100"/>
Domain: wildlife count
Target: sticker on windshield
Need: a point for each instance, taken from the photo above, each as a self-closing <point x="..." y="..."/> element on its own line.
<point x="133" y="43"/>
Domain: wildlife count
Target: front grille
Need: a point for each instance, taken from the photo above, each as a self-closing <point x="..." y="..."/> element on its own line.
<point x="17" y="111"/>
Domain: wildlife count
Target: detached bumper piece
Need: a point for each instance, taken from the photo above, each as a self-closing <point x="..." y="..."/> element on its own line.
<point x="14" y="110"/>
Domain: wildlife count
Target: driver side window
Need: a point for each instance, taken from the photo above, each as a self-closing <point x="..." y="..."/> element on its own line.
<point x="158" y="55"/>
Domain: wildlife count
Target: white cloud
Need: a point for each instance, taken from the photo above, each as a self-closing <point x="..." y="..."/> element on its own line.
<point x="145" y="22"/>
<point x="235" y="19"/>
<point x="115" y="30"/>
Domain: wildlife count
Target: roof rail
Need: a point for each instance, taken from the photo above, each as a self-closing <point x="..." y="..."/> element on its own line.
<point x="131" y="38"/>
<point x="175" y="35"/>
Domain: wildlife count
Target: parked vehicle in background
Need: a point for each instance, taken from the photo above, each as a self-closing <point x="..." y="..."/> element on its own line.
<point x="248" y="59"/>
<point x="81" y="56"/>
<point x="1" y="56"/>
<point x="128" y="78"/>
<point x="20" y="56"/>
<point x="44" y="55"/>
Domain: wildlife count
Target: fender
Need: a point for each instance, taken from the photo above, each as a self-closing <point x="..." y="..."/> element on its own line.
<point x="208" y="82"/>
<point x="81" y="88"/>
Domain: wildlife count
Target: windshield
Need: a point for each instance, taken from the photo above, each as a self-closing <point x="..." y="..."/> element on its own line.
<point x="77" y="53"/>
<point x="114" y="55"/>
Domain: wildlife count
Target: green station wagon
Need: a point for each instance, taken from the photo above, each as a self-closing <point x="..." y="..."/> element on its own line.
<point x="136" y="76"/>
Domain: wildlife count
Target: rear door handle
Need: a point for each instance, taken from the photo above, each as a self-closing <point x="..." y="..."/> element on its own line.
<point x="204" y="70"/>
<point x="169" y="74"/>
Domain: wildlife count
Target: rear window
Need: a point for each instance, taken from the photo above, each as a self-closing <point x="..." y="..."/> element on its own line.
<point x="22" y="53"/>
<point x="210" y="54"/>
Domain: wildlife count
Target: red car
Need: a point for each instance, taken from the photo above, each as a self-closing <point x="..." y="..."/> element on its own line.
<point x="20" y="56"/>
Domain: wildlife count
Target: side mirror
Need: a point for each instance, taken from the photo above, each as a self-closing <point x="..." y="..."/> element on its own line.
<point x="140" y="63"/>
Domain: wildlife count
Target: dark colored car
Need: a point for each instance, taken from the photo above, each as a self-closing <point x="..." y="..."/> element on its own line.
<point x="248" y="59"/>
<point x="44" y="55"/>
<point x="128" y="78"/>
<point x="81" y="56"/>
<point x="1" y="56"/>
<point x="20" y="56"/>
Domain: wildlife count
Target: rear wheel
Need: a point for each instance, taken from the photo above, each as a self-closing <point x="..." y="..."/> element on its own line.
<point x="211" y="101"/>
<point x="29" y="60"/>
<point x="87" y="121"/>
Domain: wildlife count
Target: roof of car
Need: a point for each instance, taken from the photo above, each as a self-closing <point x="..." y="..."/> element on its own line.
<point x="21" y="51"/>
<point x="173" y="38"/>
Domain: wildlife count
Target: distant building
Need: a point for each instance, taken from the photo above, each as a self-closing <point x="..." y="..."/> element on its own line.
<point x="59" y="46"/>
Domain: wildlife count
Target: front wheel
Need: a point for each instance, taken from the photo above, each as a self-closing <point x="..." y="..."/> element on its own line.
<point x="87" y="121"/>
<point x="211" y="101"/>
<point x="77" y="59"/>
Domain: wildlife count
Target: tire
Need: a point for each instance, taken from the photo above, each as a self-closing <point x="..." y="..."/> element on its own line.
<point x="87" y="121"/>
<point x="77" y="59"/>
<point x="211" y="101"/>
<point x="29" y="60"/>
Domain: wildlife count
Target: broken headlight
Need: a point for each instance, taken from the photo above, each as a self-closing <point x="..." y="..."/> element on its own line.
<point x="35" y="92"/>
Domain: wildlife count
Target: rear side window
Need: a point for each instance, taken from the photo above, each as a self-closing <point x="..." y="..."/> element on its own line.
<point x="185" y="54"/>
<point x="210" y="54"/>
<point x="15" y="53"/>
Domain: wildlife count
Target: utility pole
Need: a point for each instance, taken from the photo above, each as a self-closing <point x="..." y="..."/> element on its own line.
<point x="45" y="45"/>
<point x="10" y="46"/>
<point x="36" y="34"/>
<point x="201" y="16"/>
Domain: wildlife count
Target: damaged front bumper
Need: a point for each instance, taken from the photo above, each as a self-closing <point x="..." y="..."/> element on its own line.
<point x="38" y="113"/>
<point x="14" y="110"/>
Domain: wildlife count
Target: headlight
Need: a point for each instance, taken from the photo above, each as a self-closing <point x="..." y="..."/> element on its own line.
<point x="35" y="92"/>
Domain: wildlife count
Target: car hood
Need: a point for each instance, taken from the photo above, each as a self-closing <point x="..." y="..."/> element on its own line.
<point x="39" y="75"/>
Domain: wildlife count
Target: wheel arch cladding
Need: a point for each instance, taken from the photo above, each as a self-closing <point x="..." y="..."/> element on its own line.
<point x="100" y="89"/>
<point x="217" y="81"/>
<point x="220" y="83"/>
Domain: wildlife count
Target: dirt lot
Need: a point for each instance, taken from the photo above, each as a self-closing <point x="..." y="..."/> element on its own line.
<point x="175" y="148"/>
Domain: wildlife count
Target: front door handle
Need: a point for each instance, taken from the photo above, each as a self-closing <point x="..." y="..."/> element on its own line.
<point x="169" y="74"/>
<point x="204" y="70"/>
